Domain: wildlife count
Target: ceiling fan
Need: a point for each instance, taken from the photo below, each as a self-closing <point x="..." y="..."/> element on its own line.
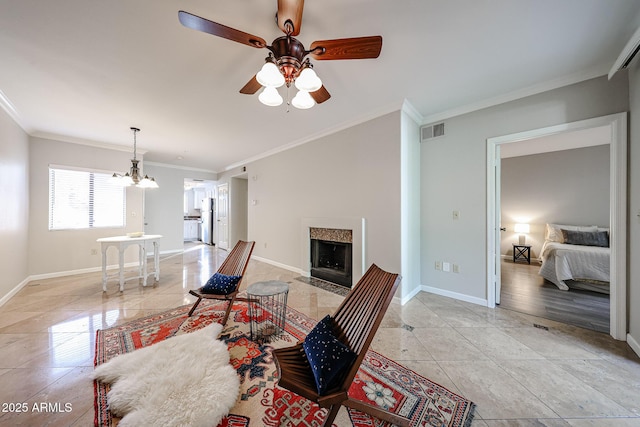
<point x="288" y="61"/>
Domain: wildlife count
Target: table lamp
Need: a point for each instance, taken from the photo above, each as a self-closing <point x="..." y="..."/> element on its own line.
<point x="522" y="229"/>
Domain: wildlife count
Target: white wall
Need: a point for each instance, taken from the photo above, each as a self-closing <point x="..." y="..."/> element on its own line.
<point x="562" y="187"/>
<point x="55" y="252"/>
<point x="410" y="206"/>
<point x="354" y="173"/>
<point x="164" y="206"/>
<point x="634" y="209"/>
<point x="453" y="176"/>
<point x="14" y="206"/>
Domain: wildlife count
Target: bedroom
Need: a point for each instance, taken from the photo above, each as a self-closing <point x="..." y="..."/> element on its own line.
<point x="562" y="179"/>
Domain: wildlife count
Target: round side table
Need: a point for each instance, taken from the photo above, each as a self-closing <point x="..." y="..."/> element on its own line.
<point x="267" y="309"/>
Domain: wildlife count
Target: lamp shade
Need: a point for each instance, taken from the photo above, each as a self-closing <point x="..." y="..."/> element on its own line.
<point x="270" y="76"/>
<point x="303" y="100"/>
<point x="270" y="96"/>
<point x="308" y="80"/>
<point x="521" y="228"/>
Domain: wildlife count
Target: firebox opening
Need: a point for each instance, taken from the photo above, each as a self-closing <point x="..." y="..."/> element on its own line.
<point x="331" y="261"/>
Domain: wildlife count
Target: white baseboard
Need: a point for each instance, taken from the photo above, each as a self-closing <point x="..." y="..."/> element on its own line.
<point x="407" y="298"/>
<point x="635" y="346"/>
<point x="79" y="271"/>
<point x="13" y="291"/>
<point x="280" y="265"/>
<point x="455" y="295"/>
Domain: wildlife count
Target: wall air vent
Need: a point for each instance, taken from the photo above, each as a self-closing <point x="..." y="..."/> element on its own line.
<point x="431" y="131"/>
<point x="628" y="53"/>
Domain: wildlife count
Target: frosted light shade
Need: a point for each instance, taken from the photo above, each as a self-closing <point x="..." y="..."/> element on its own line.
<point x="303" y="100"/>
<point x="308" y="80"/>
<point x="145" y="182"/>
<point x="521" y="228"/>
<point x="127" y="180"/>
<point x="270" y="75"/>
<point x="270" y="96"/>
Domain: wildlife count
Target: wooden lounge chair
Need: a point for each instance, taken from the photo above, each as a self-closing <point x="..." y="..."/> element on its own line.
<point x="234" y="265"/>
<point x="356" y="322"/>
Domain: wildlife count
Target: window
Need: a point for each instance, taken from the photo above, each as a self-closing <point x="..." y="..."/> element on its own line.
<point x="82" y="199"/>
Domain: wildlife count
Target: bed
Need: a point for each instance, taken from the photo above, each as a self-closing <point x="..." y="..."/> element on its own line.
<point x="577" y="254"/>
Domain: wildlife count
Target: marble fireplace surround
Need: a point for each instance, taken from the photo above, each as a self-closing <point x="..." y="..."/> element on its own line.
<point x="357" y="227"/>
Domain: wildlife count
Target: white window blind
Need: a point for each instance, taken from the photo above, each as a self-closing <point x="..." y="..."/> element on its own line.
<point x="81" y="199"/>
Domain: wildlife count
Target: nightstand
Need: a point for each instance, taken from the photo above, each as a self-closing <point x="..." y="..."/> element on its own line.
<point x="521" y="252"/>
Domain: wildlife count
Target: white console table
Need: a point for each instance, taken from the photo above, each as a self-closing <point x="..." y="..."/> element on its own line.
<point x="121" y="243"/>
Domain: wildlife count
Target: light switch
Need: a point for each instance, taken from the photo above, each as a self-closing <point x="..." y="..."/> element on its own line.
<point x="446" y="266"/>
<point x="456" y="215"/>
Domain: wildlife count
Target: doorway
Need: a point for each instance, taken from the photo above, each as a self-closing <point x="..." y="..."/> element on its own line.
<point x="617" y="124"/>
<point x="223" y="216"/>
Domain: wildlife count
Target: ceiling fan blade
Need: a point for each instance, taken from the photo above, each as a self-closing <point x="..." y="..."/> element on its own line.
<point x="353" y="48"/>
<point x="201" y="24"/>
<point x="320" y="95"/>
<point x="290" y="10"/>
<point x="251" y="87"/>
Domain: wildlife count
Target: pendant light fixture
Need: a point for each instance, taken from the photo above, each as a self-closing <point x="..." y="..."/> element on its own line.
<point x="134" y="176"/>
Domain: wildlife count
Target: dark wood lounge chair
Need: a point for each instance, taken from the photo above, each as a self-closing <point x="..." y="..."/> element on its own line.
<point x="234" y="265"/>
<point x="356" y="322"/>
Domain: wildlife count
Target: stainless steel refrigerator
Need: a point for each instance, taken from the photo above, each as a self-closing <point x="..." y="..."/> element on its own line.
<point x="208" y="215"/>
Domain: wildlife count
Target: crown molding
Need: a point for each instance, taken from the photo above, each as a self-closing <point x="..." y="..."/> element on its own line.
<point x="390" y="108"/>
<point x="591" y="73"/>
<point x="167" y="165"/>
<point x="11" y="110"/>
<point x="86" y="142"/>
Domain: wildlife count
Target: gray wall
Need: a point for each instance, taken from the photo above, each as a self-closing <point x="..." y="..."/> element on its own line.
<point x="562" y="187"/>
<point x="70" y="250"/>
<point x="454" y="175"/>
<point x="354" y="173"/>
<point x="14" y="208"/>
<point x="164" y="206"/>
<point x="634" y="207"/>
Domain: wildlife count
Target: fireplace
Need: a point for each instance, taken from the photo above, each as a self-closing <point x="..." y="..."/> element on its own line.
<point x="331" y="255"/>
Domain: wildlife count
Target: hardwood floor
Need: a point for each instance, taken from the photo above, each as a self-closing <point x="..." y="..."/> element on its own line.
<point x="524" y="291"/>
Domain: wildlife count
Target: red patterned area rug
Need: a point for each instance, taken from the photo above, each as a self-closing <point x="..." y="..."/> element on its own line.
<point x="261" y="402"/>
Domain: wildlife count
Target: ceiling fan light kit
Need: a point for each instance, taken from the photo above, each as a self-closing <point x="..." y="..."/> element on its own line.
<point x="270" y="75"/>
<point x="134" y="176"/>
<point x="270" y="96"/>
<point x="308" y="80"/>
<point x="303" y="100"/>
<point x="287" y="62"/>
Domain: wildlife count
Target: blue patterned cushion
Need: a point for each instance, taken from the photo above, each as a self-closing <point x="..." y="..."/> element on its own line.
<point x="327" y="356"/>
<point x="221" y="284"/>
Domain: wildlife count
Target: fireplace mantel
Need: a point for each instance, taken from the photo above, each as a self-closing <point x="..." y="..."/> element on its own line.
<point x="357" y="227"/>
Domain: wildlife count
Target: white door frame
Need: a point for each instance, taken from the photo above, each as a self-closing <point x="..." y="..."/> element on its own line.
<point x="617" y="214"/>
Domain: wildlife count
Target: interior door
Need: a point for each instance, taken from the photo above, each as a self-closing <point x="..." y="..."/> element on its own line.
<point x="498" y="229"/>
<point x="223" y="216"/>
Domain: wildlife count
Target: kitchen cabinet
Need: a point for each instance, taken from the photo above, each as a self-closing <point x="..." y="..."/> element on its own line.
<point x="198" y="195"/>
<point x="191" y="229"/>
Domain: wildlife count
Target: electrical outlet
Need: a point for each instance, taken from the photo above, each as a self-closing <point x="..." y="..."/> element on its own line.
<point x="446" y="266"/>
<point x="438" y="265"/>
<point x="456" y="268"/>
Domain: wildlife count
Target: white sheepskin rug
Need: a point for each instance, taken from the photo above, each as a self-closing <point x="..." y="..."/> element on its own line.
<point x="185" y="380"/>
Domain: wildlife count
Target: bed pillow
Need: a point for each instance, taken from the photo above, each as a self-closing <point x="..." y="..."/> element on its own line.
<point x="554" y="233"/>
<point x="221" y="284"/>
<point x="586" y="238"/>
<point x="327" y="356"/>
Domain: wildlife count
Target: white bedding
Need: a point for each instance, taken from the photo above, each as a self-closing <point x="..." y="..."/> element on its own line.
<point x="562" y="262"/>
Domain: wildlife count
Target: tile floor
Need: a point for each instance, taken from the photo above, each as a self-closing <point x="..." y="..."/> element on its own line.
<point x="517" y="374"/>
